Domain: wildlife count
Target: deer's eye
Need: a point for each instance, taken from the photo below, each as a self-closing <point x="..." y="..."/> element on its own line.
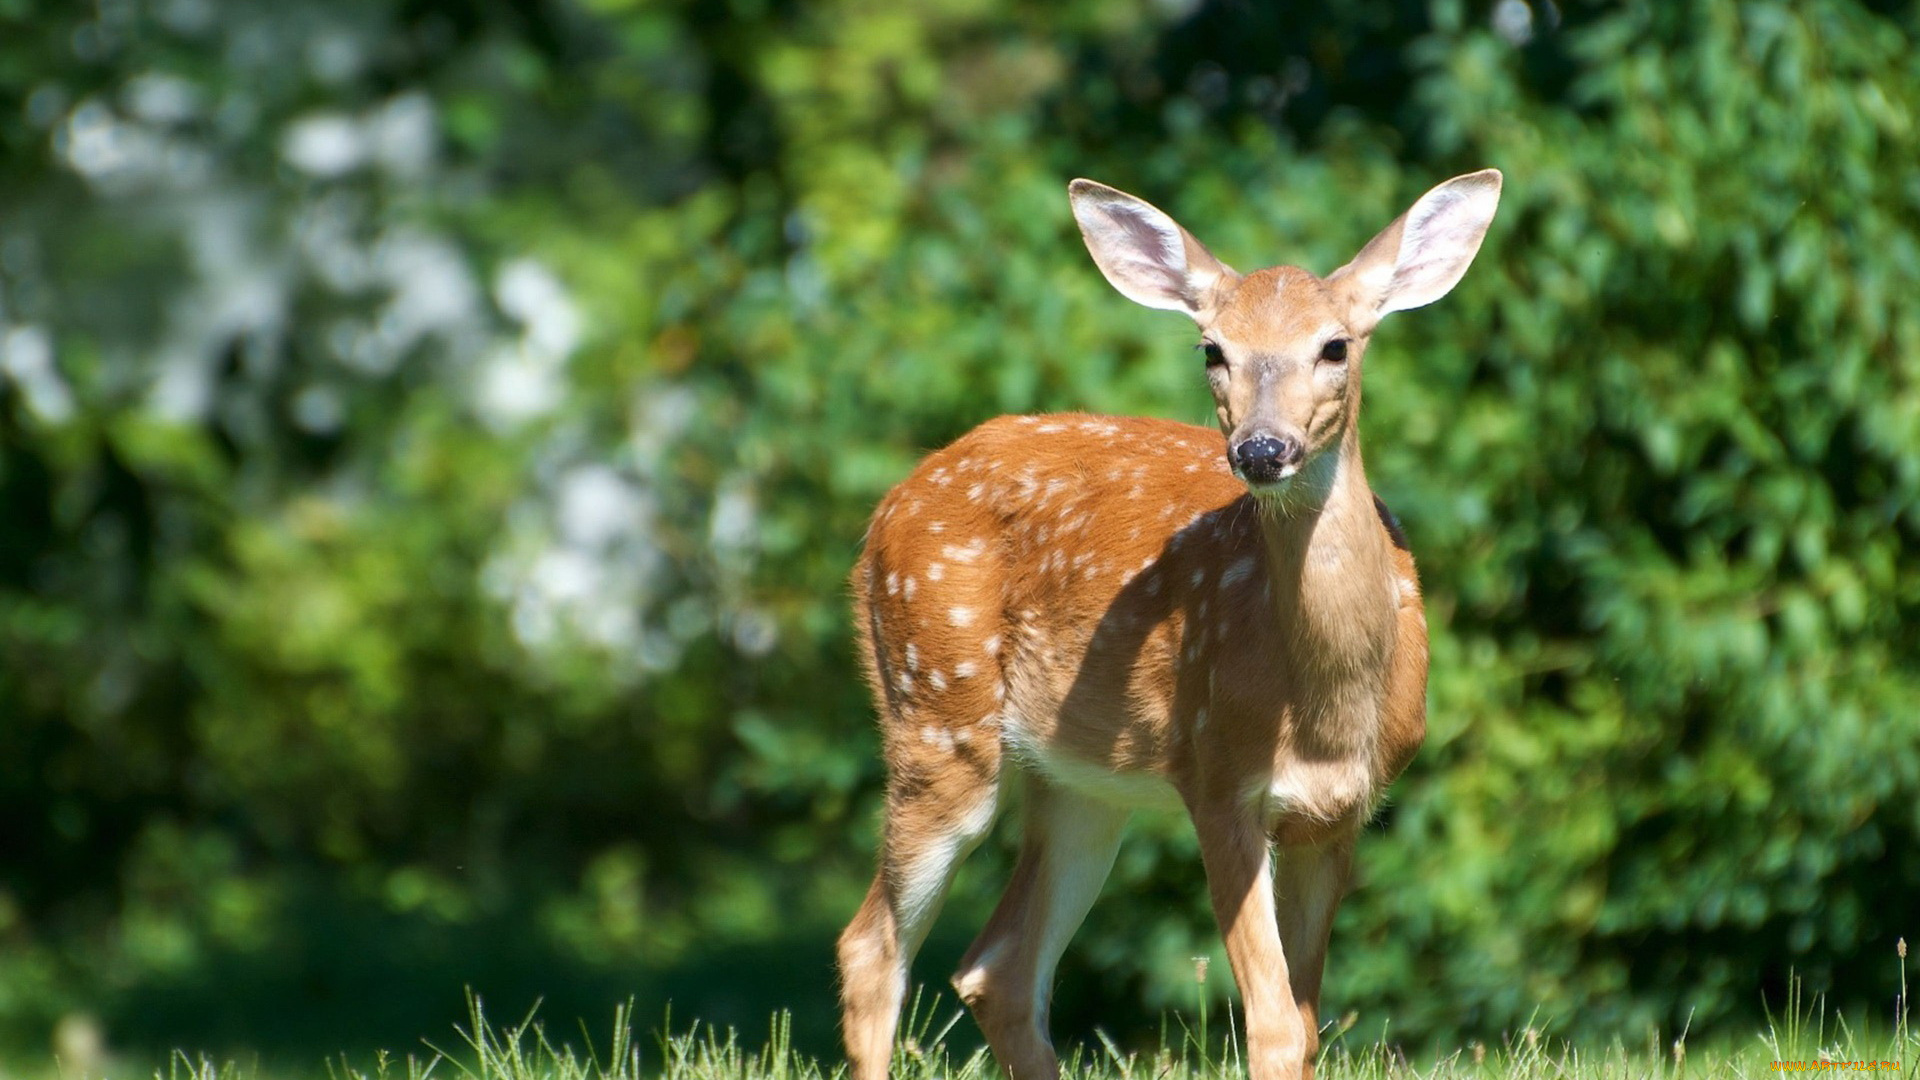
<point x="1335" y="351"/>
<point x="1214" y="356"/>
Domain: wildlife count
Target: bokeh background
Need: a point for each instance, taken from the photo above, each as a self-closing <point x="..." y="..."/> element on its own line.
<point x="433" y="435"/>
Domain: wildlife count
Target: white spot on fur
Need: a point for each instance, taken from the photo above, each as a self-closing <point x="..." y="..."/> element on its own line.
<point x="965" y="669"/>
<point x="936" y="680"/>
<point x="936" y="526"/>
<point x="1199" y="577"/>
<point x="991" y="646"/>
<point x="967" y="552"/>
<point x="960" y="616"/>
<point x="913" y="657"/>
<point x="936" y="571"/>
<point x="1237" y="571"/>
<point x="907" y="587"/>
<point x="893" y="583"/>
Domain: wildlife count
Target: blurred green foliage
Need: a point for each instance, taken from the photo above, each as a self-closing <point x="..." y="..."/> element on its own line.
<point x="433" y="435"/>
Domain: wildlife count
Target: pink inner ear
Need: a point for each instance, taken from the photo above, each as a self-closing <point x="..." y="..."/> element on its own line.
<point x="1158" y="246"/>
<point x="1140" y="250"/>
<point x="1421" y="257"/>
<point x="1441" y="236"/>
<point x="1143" y="252"/>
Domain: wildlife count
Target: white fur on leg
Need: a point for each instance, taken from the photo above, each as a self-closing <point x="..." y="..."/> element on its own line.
<point x="1084" y="836"/>
<point x="921" y="882"/>
<point x="1077" y="837"/>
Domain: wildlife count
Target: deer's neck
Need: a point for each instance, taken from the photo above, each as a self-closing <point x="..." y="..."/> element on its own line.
<point x="1333" y="585"/>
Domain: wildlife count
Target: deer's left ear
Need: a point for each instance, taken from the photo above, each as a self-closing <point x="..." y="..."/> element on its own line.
<point x="1421" y="256"/>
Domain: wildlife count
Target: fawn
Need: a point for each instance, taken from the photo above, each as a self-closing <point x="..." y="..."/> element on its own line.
<point x="1140" y="612"/>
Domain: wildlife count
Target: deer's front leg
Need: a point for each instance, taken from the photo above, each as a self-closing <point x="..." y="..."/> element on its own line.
<point x="1233" y="844"/>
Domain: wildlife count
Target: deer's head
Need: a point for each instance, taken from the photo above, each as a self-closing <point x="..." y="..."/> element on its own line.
<point x="1283" y="347"/>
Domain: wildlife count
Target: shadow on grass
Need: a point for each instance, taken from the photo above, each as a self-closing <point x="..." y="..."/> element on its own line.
<point x="349" y="977"/>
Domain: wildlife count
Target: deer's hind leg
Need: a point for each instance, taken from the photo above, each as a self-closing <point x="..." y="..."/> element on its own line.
<point x="1006" y="978"/>
<point x="932" y="823"/>
<point x="943" y="770"/>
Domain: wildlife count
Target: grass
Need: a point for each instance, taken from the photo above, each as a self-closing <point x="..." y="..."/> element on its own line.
<point x="484" y="1049"/>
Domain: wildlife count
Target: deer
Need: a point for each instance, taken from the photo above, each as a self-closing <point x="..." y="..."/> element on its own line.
<point x="1136" y="613"/>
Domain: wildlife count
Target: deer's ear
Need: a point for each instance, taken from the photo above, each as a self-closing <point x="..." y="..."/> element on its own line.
<point x="1145" y="253"/>
<point x="1421" y="256"/>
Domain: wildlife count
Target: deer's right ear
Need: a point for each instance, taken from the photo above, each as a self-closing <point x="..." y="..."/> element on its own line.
<point x="1145" y="253"/>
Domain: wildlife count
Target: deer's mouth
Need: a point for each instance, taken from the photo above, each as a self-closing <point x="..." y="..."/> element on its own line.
<point x="1276" y="482"/>
<point x="1294" y="486"/>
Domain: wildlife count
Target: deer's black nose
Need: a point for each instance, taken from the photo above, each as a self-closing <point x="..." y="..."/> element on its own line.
<point x="1264" y="458"/>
